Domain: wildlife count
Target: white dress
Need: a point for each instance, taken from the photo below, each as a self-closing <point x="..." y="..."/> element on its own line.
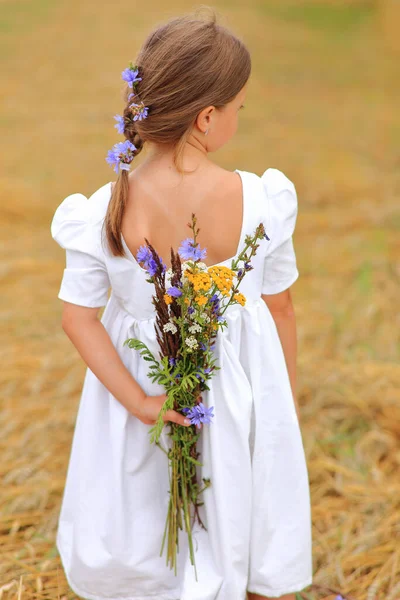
<point x="257" y="509"/>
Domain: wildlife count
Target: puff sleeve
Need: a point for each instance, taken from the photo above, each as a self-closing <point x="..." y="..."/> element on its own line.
<point x="85" y="279"/>
<point x="280" y="268"/>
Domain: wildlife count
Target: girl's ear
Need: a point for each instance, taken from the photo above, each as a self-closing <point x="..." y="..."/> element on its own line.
<point x="204" y="118"/>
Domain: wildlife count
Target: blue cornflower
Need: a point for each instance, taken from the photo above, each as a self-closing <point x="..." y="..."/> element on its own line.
<point x="145" y="256"/>
<point x="140" y="111"/>
<point x="205" y="414"/>
<point x="151" y="267"/>
<point x="215" y="301"/>
<point x="121" y="155"/>
<point x="199" y="414"/>
<point x="120" y="124"/>
<point x="130" y="75"/>
<point x="174" y="291"/>
<point x="188" y="251"/>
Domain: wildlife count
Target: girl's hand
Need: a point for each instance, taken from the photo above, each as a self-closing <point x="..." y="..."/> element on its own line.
<point x="150" y="407"/>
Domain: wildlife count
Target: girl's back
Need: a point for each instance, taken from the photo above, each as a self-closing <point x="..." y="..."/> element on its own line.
<point x="160" y="204"/>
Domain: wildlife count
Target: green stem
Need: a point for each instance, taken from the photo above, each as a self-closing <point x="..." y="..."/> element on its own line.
<point x="187" y="517"/>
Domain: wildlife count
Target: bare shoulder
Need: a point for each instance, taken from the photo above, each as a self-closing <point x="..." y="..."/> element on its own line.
<point x="229" y="180"/>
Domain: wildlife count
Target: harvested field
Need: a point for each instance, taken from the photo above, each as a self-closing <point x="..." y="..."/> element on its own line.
<point x="322" y="107"/>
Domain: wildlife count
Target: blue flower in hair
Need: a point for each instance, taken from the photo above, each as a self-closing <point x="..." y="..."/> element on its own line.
<point x="130" y="75"/>
<point x="121" y="155"/>
<point x="120" y="124"/>
<point x="139" y="111"/>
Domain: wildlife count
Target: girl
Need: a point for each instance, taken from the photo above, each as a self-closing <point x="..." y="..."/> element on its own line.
<point x="183" y="99"/>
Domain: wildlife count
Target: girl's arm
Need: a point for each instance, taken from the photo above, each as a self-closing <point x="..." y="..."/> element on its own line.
<point x="282" y="310"/>
<point x="90" y="338"/>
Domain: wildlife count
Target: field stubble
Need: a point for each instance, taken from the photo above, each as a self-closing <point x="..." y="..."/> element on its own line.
<point x="322" y="107"/>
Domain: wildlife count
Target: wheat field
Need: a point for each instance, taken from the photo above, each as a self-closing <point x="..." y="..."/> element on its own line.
<point x="322" y="106"/>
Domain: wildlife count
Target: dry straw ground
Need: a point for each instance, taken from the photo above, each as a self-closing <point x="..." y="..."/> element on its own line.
<point x="322" y="108"/>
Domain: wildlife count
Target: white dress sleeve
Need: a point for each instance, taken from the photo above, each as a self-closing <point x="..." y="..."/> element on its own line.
<point x="280" y="268"/>
<point x="85" y="279"/>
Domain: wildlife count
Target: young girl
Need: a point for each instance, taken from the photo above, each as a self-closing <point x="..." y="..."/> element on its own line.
<point x="183" y="99"/>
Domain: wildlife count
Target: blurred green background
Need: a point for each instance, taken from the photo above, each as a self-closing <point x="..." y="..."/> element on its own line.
<point x="323" y="107"/>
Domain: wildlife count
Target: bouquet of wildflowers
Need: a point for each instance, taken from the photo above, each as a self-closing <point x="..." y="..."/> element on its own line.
<point x="189" y="302"/>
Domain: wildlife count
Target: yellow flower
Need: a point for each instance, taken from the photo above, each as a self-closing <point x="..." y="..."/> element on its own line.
<point x="240" y="298"/>
<point x="201" y="300"/>
<point x="168" y="299"/>
<point x="187" y="300"/>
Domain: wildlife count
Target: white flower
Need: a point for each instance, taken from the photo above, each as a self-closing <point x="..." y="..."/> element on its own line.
<point x="205" y="316"/>
<point x="185" y="265"/>
<point x="195" y="327"/>
<point x="170" y="327"/>
<point x="191" y="342"/>
<point x="202" y="266"/>
<point x="168" y="275"/>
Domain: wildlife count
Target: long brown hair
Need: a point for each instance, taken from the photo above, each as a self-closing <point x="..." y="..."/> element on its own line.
<point x="186" y="64"/>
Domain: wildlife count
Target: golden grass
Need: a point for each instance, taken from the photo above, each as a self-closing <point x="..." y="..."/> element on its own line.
<point x="322" y="107"/>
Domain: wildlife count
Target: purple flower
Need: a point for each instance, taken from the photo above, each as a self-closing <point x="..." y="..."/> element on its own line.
<point x="188" y="251"/>
<point x="172" y="361"/>
<point x="339" y="597"/>
<point x="247" y="266"/>
<point x="203" y="346"/>
<point x="121" y="155"/>
<point x="120" y="125"/>
<point x="220" y="318"/>
<point x="174" y="291"/>
<point x="267" y="238"/>
<point x="200" y="375"/>
<point x="130" y="75"/>
<point x="151" y="267"/>
<point x="240" y="272"/>
<point x="185" y="410"/>
<point x="144" y="255"/>
<point x="140" y="111"/>
<point x="190" y="310"/>
<point x="215" y="301"/>
<point x="204" y="414"/>
<point x="199" y="414"/>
